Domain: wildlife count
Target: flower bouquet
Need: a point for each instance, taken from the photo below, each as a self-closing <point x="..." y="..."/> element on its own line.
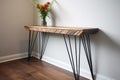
<point x="43" y="9"/>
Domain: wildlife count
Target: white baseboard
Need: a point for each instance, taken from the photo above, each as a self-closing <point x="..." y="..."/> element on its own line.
<point x="55" y="62"/>
<point x="13" y="57"/>
<point x="65" y="66"/>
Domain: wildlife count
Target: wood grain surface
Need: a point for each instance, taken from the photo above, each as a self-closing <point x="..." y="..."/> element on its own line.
<point x="63" y="30"/>
<point x="33" y="70"/>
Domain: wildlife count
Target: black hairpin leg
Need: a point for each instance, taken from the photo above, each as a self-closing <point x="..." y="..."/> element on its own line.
<point x="74" y="54"/>
<point x="75" y="59"/>
<point x="42" y="43"/>
<point x="32" y="39"/>
<point x="86" y="44"/>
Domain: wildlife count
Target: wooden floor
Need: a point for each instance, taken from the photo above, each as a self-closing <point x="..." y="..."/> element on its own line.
<point x="33" y="70"/>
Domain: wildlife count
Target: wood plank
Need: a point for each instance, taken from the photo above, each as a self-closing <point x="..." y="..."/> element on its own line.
<point x="33" y="70"/>
<point x="63" y="30"/>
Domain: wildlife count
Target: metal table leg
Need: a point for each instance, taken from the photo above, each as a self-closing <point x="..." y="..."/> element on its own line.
<point x="42" y="43"/>
<point x="32" y="39"/>
<point x="87" y="48"/>
<point x="74" y="54"/>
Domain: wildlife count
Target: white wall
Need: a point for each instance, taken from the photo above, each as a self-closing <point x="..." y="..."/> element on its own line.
<point x="14" y="15"/>
<point x="103" y="14"/>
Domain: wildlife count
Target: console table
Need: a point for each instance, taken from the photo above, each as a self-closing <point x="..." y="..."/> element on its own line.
<point x="80" y="35"/>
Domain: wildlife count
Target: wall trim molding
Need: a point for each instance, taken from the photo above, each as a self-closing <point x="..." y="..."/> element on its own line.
<point x="13" y="57"/>
<point x="65" y="66"/>
<point x="55" y="62"/>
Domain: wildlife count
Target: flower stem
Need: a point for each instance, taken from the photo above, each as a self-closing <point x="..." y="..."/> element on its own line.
<point x="44" y="23"/>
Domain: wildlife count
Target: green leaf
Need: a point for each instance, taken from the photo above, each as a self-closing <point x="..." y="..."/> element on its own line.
<point x="35" y="2"/>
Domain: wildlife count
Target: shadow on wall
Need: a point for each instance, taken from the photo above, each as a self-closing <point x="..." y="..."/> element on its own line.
<point x="107" y="53"/>
<point x="53" y="16"/>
